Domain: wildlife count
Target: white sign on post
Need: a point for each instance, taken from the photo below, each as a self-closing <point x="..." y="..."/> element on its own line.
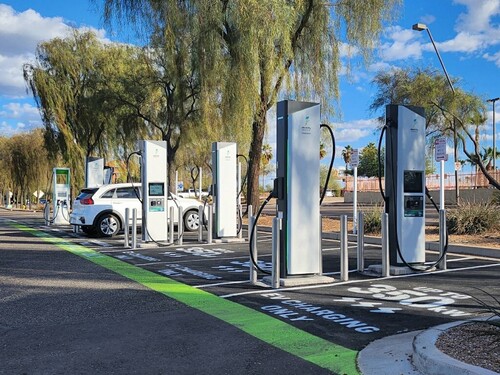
<point x="440" y="149"/>
<point x="354" y="158"/>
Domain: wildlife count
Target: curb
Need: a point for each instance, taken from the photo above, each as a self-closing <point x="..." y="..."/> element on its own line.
<point x="429" y="360"/>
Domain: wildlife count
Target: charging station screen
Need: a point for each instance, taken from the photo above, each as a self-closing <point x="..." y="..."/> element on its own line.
<point x="156" y="189"/>
<point x="413" y="182"/>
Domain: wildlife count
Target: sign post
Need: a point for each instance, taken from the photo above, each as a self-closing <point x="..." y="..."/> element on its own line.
<point x="354" y="165"/>
<point x="441" y="156"/>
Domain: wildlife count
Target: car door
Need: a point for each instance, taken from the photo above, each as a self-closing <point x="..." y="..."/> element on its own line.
<point x="127" y="197"/>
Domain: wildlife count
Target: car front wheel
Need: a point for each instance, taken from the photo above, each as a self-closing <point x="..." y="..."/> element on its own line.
<point x="191" y="221"/>
<point x="108" y="225"/>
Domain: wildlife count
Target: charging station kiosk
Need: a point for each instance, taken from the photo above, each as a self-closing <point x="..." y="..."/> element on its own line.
<point x="224" y="189"/>
<point x="61" y="195"/>
<point x="94" y="171"/>
<point x="297" y="187"/>
<point x="154" y="190"/>
<point x="405" y="183"/>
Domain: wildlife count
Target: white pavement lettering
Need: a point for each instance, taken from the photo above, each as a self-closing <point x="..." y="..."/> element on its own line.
<point x="178" y="269"/>
<point x="314" y="311"/>
<point x="240" y="267"/>
<point x="141" y="256"/>
<point x="431" y="299"/>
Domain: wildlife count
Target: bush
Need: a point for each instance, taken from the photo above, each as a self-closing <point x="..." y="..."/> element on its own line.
<point x="495" y="198"/>
<point x="473" y="218"/>
<point x="373" y="219"/>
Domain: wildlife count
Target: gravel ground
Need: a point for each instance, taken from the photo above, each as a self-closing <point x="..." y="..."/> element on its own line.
<point x="474" y="343"/>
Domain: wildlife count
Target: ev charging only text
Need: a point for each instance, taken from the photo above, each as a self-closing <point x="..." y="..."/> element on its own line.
<point x="296" y="310"/>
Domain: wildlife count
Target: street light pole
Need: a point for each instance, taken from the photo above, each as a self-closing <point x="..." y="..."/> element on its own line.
<point x="494" y="135"/>
<point x="421" y="27"/>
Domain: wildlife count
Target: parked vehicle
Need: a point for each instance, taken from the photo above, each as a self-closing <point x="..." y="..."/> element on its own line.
<point x="192" y="193"/>
<point x="100" y="211"/>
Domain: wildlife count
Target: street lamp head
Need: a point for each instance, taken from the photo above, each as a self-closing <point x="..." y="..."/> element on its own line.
<point x="493" y="100"/>
<point x="419" y="27"/>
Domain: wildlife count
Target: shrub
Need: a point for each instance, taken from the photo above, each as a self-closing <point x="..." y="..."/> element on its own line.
<point x="495" y="198"/>
<point x="373" y="219"/>
<point x="473" y="218"/>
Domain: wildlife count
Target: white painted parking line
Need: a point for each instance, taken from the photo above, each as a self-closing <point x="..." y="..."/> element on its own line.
<point x="221" y="284"/>
<point x="365" y="280"/>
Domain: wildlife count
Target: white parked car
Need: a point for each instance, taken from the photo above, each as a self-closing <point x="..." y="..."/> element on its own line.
<point x="101" y="210"/>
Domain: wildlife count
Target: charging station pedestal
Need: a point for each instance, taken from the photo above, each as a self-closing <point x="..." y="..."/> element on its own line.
<point x="154" y="190"/>
<point x="61" y="195"/>
<point x="224" y="189"/>
<point x="405" y="183"/>
<point x="297" y="188"/>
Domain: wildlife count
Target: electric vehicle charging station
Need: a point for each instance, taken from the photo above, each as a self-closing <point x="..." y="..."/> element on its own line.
<point x="224" y="189"/>
<point x="405" y="184"/>
<point x="96" y="173"/>
<point x="297" y="188"/>
<point x="154" y="190"/>
<point x="61" y="195"/>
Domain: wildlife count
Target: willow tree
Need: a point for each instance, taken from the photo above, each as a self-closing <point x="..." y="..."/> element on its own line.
<point x="250" y="52"/>
<point x="70" y="84"/>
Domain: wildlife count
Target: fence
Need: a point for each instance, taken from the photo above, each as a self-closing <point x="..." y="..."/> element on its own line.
<point x="471" y="180"/>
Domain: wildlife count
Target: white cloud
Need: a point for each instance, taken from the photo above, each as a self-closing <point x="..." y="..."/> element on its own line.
<point x="403" y="44"/>
<point x="20" y="33"/>
<point x="478" y="16"/>
<point x="463" y="42"/>
<point x="23" y="111"/>
<point x="8" y="130"/>
<point x="495" y="58"/>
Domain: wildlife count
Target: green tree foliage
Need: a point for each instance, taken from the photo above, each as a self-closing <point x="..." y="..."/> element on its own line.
<point x="444" y="110"/>
<point x="368" y="161"/>
<point x="25" y="165"/>
<point x="249" y="52"/>
<point x="70" y="83"/>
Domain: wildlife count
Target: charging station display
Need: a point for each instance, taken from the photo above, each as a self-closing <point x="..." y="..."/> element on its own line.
<point x="154" y="190"/>
<point x="405" y="183"/>
<point x="298" y="168"/>
<point x="61" y="195"/>
<point x="224" y="168"/>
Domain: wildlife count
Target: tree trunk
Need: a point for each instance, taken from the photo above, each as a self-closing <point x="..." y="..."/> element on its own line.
<point x="258" y="131"/>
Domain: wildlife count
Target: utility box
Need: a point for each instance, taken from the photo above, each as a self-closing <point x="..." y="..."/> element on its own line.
<point x="154" y="181"/>
<point x="297" y="187"/>
<point x="224" y="189"/>
<point x="405" y="183"/>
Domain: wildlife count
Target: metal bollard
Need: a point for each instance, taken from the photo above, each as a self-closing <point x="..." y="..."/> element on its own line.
<point x="385" y="245"/>
<point x="134" y="228"/>
<point x="320" y="246"/>
<point x="180" y="225"/>
<point x="442" y="239"/>
<point x="344" y="255"/>
<point x="201" y="216"/>
<point x="171" y="224"/>
<point x="46" y="214"/>
<point x="361" y="241"/>
<point x="126" y="228"/>
<point x="275" y="273"/>
<point x="210" y="222"/>
<point x="253" y="269"/>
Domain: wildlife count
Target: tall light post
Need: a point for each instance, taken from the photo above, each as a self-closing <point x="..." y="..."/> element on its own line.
<point x="494" y="135"/>
<point x="422" y="27"/>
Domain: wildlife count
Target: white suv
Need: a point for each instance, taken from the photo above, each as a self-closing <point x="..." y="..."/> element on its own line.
<point x="101" y="211"/>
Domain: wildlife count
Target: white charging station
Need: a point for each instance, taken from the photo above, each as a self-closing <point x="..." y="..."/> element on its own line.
<point x="224" y="189"/>
<point x="154" y="181"/>
<point x="405" y="183"/>
<point x="297" y="185"/>
<point x="61" y="195"/>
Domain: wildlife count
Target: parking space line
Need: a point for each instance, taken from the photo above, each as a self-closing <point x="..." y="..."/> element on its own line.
<point x="221" y="284"/>
<point x="275" y="332"/>
<point x="340" y="283"/>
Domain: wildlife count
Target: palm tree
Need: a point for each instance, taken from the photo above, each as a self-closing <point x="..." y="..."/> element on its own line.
<point x="346" y="155"/>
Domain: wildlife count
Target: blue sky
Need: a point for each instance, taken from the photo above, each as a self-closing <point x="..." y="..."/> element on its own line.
<point x="467" y="33"/>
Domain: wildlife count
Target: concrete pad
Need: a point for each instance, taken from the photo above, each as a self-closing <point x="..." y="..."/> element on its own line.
<point x="301" y="281"/>
<point x="376" y="269"/>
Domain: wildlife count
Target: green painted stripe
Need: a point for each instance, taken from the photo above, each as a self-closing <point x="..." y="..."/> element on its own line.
<point x="266" y="328"/>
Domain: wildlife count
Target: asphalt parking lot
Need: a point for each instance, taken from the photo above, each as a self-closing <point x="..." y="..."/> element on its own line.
<point x="349" y="314"/>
